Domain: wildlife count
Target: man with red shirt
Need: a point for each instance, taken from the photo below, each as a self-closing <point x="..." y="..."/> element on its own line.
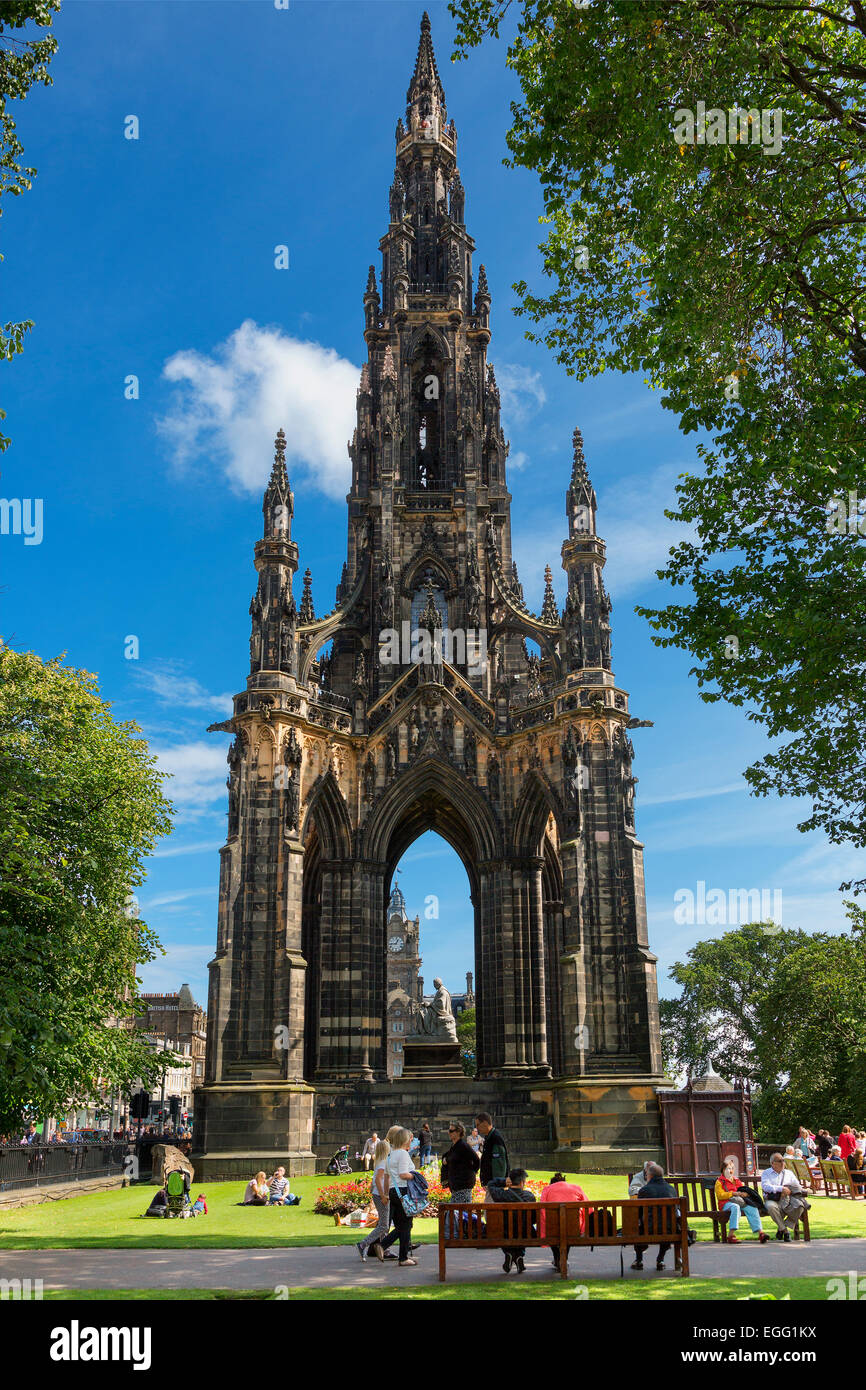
<point x="847" y="1141"/>
<point x="558" y="1190"/>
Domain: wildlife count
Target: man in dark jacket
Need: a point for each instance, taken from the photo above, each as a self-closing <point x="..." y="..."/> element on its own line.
<point x="494" y="1155"/>
<point x="522" y="1223"/>
<point x="655" y="1187"/>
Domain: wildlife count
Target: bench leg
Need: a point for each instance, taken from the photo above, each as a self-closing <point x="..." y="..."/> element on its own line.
<point x="563" y="1261"/>
<point x="441" y="1262"/>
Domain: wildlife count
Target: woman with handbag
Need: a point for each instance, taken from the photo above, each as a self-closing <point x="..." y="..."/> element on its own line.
<point x="399" y="1168"/>
<point x="729" y="1198"/>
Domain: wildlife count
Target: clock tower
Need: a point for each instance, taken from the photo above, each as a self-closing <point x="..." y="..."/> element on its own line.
<point x="405" y="985"/>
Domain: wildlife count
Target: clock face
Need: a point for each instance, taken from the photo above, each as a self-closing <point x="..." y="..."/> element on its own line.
<point x="395" y="944"/>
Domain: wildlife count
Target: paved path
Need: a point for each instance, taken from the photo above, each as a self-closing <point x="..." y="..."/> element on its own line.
<point x="339" y="1266"/>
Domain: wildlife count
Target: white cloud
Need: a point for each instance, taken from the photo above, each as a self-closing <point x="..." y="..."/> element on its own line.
<point x="229" y="405"/>
<point x="201" y="847"/>
<point x="198" y="776"/>
<point x="175" y="690"/>
<point x="517" y="462"/>
<point x="693" y="795"/>
<point x="521" y="392"/>
<point x="181" y="896"/>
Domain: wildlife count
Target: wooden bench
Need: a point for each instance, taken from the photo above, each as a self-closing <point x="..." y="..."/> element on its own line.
<point x="498" y="1225"/>
<point x="701" y="1201"/>
<point x="838" y="1180"/>
<point x="806" y="1178"/>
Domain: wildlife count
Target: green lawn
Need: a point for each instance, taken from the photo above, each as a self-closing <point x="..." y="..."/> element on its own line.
<point x="608" y="1290"/>
<point x="113" y="1220"/>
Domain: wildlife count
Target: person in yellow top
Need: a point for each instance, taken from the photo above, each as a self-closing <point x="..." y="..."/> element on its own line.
<point x="729" y="1199"/>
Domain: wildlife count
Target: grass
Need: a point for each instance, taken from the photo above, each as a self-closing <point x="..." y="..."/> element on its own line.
<point x="113" y="1220"/>
<point x="604" y="1290"/>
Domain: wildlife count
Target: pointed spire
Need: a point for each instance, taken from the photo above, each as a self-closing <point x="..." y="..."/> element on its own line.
<point x="364" y="384"/>
<point x="308" y="612"/>
<point x="371" y="282"/>
<point x="389" y="371"/>
<point x="578" y="471"/>
<point x="425" y="78"/>
<point x="549" y="610"/>
<point x="278" y="502"/>
<point x="482" y="281"/>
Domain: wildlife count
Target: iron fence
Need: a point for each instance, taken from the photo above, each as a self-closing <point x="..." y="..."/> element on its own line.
<point x="38" y="1165"/>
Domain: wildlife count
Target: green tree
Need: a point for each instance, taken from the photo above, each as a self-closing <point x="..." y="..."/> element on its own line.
<point x="23" y="62"/>
<point x="783" y="1009"/>
<point x="81" y="806"/>
<point x="811" y="1021"/>
<point x="466" y="1039"/>
<point x="716" y="1022"/>
<point x="734" y="278"/>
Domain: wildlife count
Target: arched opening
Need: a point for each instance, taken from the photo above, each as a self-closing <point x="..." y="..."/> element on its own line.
<point x="429" y="934"/>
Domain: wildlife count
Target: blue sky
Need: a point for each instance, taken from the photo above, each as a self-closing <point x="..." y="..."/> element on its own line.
<point x="154" y="258"/>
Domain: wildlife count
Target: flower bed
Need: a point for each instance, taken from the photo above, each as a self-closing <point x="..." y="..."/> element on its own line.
<point x="343" y="1197"/>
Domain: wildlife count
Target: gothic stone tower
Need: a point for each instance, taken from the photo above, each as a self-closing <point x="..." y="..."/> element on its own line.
<point x="522" y="761"/>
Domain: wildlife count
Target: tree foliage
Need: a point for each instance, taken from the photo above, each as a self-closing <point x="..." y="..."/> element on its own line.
<point x="23" y="62"/>
<point x="80" y="808"/>
<point x="735" y="280"/>
<point x="782" y="1009"/>
<point x="466" y="1039"/>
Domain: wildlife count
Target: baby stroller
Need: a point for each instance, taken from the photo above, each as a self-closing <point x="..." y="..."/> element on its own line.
<point x="340" y="1162"/>
<point x="177" y="1192"/>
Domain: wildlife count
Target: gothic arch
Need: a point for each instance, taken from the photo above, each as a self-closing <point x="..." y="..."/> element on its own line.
<point x="428" y="559"/>
<point x="423" y="331"/>
<point x="432" y="795"/>
<point x="328" y="813"/>
<point x="536" y="802"/>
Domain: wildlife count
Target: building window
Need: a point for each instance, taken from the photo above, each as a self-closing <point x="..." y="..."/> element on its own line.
<point x="398" y="1025"/>
<point x="398" y="1069"/>
<point x="397" y="1046"/>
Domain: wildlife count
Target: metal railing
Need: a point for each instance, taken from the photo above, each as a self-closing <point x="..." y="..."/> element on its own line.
<point x="39" y="1165"/>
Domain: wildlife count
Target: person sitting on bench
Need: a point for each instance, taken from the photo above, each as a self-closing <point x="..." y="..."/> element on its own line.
<point x="656" y="1187"/>
<point x="521" y="1223"/>
<point x="560" y="1190"/>
<point x="783" y="1197"/>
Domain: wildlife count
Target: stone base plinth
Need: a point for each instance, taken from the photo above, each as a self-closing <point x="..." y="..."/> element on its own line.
<point x="241" y="1127"/>
<point x="425" y="1059"/>
<point x="607" y="1124"/>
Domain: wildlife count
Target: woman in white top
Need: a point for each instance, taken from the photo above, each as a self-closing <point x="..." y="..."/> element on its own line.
<point x="381" y="1203"/>
<point x="399" y="1167"/>
<point x="257" y="1191"/>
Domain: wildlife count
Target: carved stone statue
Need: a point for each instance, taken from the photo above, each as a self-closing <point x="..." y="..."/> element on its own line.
<point x="292" y="801"/>
<point x="436" y="1019"/>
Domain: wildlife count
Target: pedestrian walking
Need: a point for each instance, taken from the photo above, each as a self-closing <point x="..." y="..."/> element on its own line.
<point x="381" y="1202"/>
<point x="399" y="1168"/>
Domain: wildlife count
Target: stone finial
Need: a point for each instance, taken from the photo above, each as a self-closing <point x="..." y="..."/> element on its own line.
<point x="371" y="282"/>
<point x="364" y="385"/>
<point x="307" y="612"/>
<point x="389" y="371"/>
<point x="549" y="610"/>
<point x="483" y="287"/>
